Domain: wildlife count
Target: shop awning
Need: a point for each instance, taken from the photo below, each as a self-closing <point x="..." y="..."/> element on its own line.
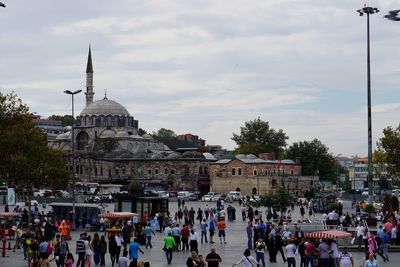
<point x="330" y="234"/>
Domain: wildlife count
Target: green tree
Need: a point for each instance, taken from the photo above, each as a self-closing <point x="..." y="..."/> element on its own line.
<point x="314" y="158"/>
<point x="279" y="201"/>
<point x="257" y="137"/>
<point x="66" y="119"/>
<point x="26" y="160"/>
<point x="389" y="144"/>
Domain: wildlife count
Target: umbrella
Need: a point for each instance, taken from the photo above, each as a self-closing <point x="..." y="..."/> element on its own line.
<point x="118" y="215"/>
<point x="330" y="234"/>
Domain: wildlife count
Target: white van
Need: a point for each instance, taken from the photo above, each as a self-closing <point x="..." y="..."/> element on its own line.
<point x="234" y="195"/>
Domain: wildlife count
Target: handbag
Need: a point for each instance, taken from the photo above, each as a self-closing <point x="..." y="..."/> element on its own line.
<point x="353" y="240"/>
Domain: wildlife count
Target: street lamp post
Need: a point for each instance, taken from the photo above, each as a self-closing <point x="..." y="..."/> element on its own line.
<point x="337" y="172"/>
<point x="73" y="153"/>
<point x="369" y="10"/>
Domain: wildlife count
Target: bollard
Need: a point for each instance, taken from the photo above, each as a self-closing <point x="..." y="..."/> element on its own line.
<point x="9" y="245"/>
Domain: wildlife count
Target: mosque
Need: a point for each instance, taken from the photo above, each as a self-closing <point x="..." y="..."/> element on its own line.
<point x="108" y="148"/>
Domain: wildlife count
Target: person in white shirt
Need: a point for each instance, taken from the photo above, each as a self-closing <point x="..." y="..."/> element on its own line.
<point x="345" y="258"/>
<point x="334" y="253"/>
<point x="167" y="231"/>
<point x="360" y="233"/>
<point x="193" y="241"/>
<point x="123" y="261"/>
<point x="291" y="252"/>
<point x="247" y="260"/>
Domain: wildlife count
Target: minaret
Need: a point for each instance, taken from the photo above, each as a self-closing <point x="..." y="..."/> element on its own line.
<point x="89" y="79"/>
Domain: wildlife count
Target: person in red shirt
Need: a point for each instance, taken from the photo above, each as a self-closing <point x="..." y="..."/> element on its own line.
<point x="310" y="248"/>
<point x="221" y="231"/>
<point x="185" y="232"/>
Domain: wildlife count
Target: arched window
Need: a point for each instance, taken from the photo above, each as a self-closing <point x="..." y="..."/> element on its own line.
<point x="82" y="140"/>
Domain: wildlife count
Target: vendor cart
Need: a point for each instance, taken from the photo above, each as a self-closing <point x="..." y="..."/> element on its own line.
<point x="116" y="216"/>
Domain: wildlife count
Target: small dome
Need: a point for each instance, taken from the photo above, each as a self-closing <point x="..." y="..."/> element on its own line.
<point x="251" y="156"/>
<point x="122" y="134"/>
<point x="147" y="136"/>
<point x="107" y="134"/>
<point x="241" y="156"/>
<point x="174" y="155"/>
<point x="105" y="107"/>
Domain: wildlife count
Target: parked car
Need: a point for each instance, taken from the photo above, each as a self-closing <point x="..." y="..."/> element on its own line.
<point x="208" y="196"/>
<point x="193" y="197"/>
<point x="183" y="195"/>
<point x="216" y="197"/>
<point x="365" y="192"/>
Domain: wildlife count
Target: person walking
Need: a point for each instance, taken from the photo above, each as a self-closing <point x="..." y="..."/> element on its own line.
<point x="334" y="252"/>
<point x="249" y="231"/>
<point x="148" y="232"/>
<point x="63" y="250"/>
<point x="134" y="250"/>
<point x="302" y="252"/>
<point x="112" y="249"/>
<point x="204" y="227"/>
<point x="123" y="261"/>
<point x="169" y="244"/>
<point x="247" y="260"/>
<point x="211" y="229"/>
<point x="213" y="259"/>
<point x="96" y="248"/>
<point x="185" y="232"/>
<point x="103" y="250"/>
<point x="194" y="241"/>
<point x="119" y="240"/>
<point x="345" y="258"/>
<point x="291" y="252"/>
<point x="360" y="233"/>
<point x="176" y="234"/>
<point x="323" y="256"/>
<point x="385" y="245"/>
<point x="193" y="260"/>
<point x="309" y="251"/>
<point x="221" y="231"/>
<point x="81" y="251"/>
<point x="260" y="251"/>
<point x="371" y="262"/>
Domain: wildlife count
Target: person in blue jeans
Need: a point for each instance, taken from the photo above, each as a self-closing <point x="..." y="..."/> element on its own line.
<point x="204" y="227"/>
<point x="260" y="251"/>
<point x="385" y="244"/>
<point x="249" y="231"/>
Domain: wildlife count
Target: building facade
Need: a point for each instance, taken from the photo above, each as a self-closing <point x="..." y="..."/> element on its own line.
<point x="256" y="176"/>
<point x="108" y="148"/>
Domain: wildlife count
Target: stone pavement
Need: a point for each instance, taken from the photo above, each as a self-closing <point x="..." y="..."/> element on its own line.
<point x="230" y="252"/>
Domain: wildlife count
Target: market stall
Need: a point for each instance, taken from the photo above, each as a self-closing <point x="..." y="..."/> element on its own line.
<point x="116" y="216"/>
<point x="330" y="234"/>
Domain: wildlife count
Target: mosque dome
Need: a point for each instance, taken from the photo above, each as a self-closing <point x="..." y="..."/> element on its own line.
<point x="105" y="107"/>
<point x="107" y="134"/>
<point x="121" y="134"/>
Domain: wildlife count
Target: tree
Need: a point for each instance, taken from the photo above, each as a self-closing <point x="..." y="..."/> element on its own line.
<point x="26" y="160"/>
<point x="66" y="119"/>
<point x="279" y="201"/>
<point x="257" y="137"/>
<point x="389" y="144"/>
<point x="314" y="158"/>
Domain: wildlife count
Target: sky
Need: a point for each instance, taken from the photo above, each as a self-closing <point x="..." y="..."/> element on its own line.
<point x="208" y="66"/>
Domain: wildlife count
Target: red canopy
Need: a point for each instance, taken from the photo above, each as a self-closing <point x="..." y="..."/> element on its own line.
<point x="330" y="234"/>
<point x="118" y="215"/>
<point x="9" y="214"/>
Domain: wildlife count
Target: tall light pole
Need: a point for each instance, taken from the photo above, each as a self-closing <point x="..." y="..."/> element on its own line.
<point x="337" y="171"/>
<point x="73" y="153"/>
<point x="369" y="10"/>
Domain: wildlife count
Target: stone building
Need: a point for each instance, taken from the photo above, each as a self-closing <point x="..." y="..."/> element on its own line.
<point x="256" y="176"/>
<point x="109" y="148"/>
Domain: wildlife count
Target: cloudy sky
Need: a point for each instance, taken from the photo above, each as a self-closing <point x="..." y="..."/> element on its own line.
<point x="206" y="67"/>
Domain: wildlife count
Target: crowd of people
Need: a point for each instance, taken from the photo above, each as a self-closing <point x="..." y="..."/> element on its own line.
<point x="44" y="240"/>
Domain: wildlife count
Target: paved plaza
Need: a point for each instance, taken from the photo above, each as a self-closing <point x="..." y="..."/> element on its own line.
<point x="230" y="252"/>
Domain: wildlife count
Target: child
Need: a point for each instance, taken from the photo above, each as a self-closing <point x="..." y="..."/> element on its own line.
<point x="69" y="261"/>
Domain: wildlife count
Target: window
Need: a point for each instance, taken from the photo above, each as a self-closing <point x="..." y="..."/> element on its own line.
<point x="233" y="171"/>
<point x="109" y="172"/>
<point x="156" y="171"/>
<point x="291" y="172"/>
<point x="166" y="171"/>
<point x="239" y="171"/>
<point x="172" y="171"/>
<point x="116" y="170"/>
<point x="149" y="171"/>
<point x="123" y="170"/>
<point x="255" y="172"/>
